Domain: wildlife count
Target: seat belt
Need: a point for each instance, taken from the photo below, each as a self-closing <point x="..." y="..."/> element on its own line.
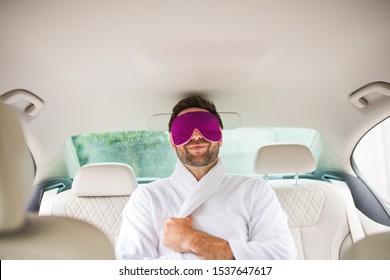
<point x="355" y="225"/>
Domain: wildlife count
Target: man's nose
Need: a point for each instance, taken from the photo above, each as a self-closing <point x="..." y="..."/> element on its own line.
<point x="196" y="135"/>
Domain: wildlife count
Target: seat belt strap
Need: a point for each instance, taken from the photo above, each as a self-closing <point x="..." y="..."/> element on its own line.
<point x="354" y="222"/>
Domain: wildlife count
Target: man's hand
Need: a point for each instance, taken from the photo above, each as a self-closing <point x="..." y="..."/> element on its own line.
<point x="177" y="232"/>
<point x="180" y="236"/>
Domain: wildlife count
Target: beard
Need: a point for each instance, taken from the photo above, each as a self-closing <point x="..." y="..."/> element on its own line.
<point x="201" y="160"/>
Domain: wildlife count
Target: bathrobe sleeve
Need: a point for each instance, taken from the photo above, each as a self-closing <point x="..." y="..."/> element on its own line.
<point x="137" y="238"/>
<point x="268" y="234"/>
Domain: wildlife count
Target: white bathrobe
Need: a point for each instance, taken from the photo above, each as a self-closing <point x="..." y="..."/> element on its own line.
<point x="242" y="210"/>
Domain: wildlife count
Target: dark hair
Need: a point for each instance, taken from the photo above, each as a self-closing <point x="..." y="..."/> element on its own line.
<point x="194" y="101"/>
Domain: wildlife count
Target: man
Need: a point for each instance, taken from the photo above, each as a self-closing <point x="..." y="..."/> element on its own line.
<point x="200" y="212"/>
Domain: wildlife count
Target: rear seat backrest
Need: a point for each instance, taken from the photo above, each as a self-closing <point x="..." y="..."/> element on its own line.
<point x="316" y="212"/>
<point x="98" y="195"/>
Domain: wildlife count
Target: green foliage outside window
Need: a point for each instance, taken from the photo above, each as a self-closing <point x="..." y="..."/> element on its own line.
<point x="149" y="153"/>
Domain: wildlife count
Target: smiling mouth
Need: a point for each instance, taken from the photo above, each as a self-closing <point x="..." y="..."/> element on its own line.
<point x="197" y="147"/>
<point x="199" y="142"/>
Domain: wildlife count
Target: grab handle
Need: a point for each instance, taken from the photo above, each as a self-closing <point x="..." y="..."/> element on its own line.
<point x="35" y="103"/>
<point x="357" y="98"/>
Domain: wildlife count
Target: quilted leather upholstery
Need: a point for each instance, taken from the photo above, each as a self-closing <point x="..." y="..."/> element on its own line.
<point x="317" y="218"/>
<point x="103" y="212"/>
<point x="316" y="212"/>
<point x="98" y="207"/>
<point x="301" y="203"/>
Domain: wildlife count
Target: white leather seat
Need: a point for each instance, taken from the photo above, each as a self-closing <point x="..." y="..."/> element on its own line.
<point x="25" y="236"/>
<point x="373" y="247"/>
<point x="316" y="211"/>
<point x="98" y="195"/>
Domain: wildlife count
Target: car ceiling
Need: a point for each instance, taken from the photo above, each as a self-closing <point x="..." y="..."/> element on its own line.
<point x="111" y="65"/>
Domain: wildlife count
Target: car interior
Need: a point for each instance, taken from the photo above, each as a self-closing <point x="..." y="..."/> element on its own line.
<point x="87" y="90"/>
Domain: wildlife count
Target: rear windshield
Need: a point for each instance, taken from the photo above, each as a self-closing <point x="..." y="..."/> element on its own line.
<point x="151" y="156"/>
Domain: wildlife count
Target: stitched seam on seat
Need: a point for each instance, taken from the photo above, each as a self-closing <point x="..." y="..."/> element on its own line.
<point x="302" y="204"/>
<point x="103" y="212"/>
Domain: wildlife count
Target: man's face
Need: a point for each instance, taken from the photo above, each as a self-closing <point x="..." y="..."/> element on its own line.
<point x="198" y="152"/>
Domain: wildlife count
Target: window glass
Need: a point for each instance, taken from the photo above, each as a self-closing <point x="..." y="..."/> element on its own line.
<point x="151" y="155"/>
<point x="371" y="159"/>
<point x="240" y="145"/>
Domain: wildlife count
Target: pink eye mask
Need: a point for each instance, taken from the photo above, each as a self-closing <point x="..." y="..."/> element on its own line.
<point x="184" y="126"/>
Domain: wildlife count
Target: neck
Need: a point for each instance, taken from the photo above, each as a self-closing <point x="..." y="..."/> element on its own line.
<point x="199" y="172"/>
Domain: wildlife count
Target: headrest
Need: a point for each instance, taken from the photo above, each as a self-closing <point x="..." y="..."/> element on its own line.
<point x="16" y="171"/>
<point x="104" y="179"/>
<point x="283" y="159"/>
